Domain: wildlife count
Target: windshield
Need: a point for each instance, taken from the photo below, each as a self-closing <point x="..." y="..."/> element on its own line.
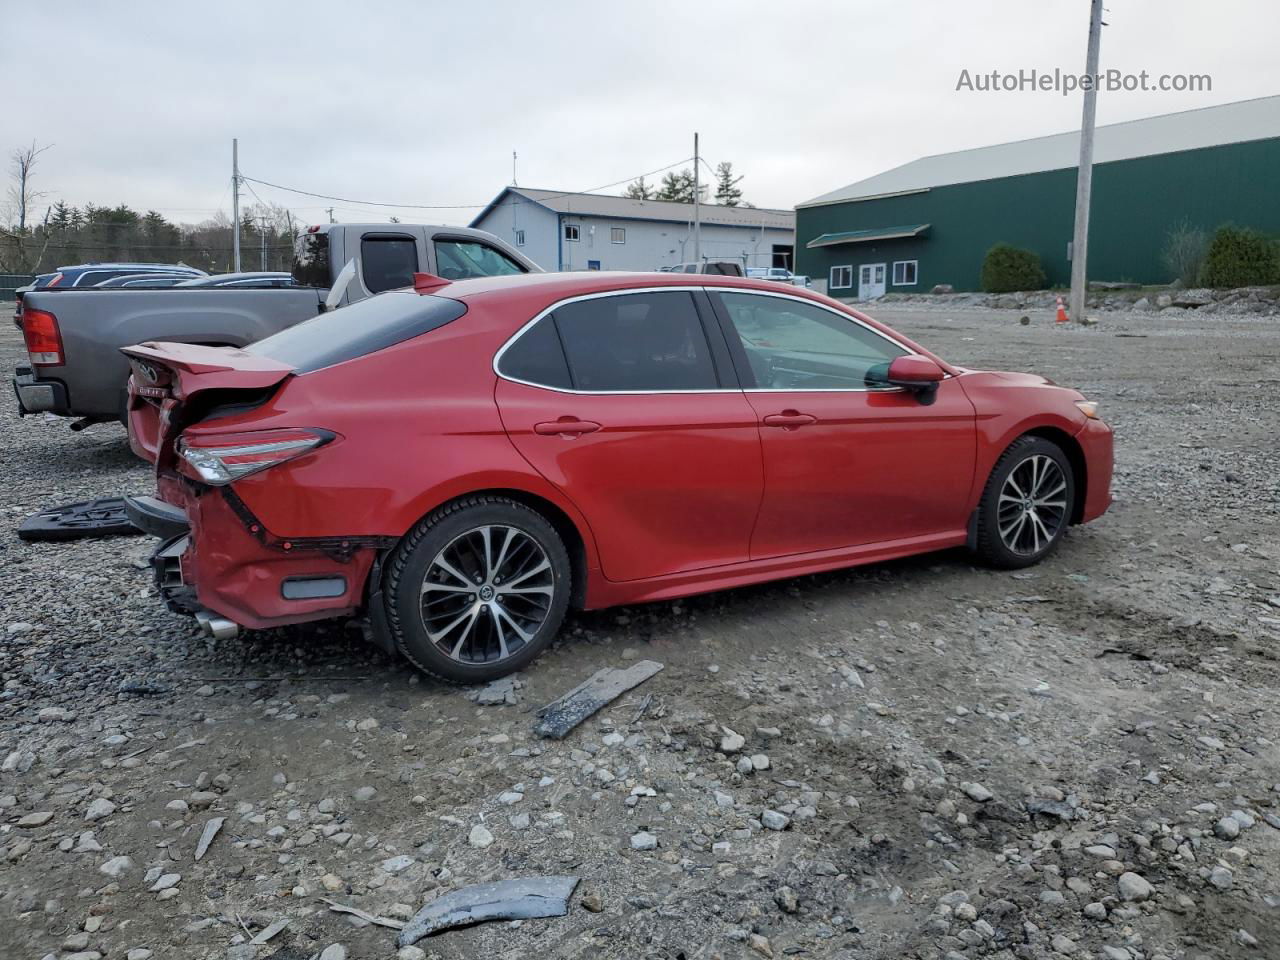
<point x="362" y="328"/>
<point x="311" y="260"/>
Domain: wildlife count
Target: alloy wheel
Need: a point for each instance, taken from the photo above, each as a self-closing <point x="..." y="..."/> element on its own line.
<point x="487" y="593"/>
<point x="1033" y="505"/>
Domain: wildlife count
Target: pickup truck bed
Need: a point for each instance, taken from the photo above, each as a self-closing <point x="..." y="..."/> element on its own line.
<point x="93" y="378"/>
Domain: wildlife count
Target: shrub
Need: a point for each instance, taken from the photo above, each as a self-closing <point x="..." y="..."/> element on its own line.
<point x="1007" y="268"/>
<point x="1185" y="247"/>
<point x="1240" y="257"/>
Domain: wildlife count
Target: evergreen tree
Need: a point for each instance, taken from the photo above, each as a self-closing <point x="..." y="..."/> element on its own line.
<point x="728" y="192"/>
<point x="677" y="187"/>
<point x="638" y="190"/>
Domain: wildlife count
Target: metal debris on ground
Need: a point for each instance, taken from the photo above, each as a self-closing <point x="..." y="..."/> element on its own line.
<point x="270" y="931"/>
<point x="366" y="917"/>
<point x="558" y="717"/>
<point x="104" y="517"/>
<point x="211" y="829"/>
<point x="518" y="899"/>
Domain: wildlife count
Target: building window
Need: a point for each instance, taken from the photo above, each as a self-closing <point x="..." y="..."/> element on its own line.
<point x="519" y="238"/>
<point x="904" y="273"/>
<point x="572" y="232"/>
<point x="841" y="278"/>
<point x="593" y="264"/>
<point x="618" y="235"/>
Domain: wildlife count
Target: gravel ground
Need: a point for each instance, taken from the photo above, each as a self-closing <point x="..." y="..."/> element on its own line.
<point x="935" y="760"/>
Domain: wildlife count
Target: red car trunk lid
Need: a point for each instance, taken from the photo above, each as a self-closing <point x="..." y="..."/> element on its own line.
<point x="168" y="376"/>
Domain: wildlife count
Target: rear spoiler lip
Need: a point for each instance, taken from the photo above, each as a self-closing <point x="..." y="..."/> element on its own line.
<point x="199" y="359"/>
<point x="197" y="368"/>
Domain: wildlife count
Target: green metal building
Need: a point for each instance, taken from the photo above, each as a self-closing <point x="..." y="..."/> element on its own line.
<point x="931" y="221"/>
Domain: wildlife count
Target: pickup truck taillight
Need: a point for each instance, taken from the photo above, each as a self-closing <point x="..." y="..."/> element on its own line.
<point x="44" y="342"/>
<point x="220" y="459"/>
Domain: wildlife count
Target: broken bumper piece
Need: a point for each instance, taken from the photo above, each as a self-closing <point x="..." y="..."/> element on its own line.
<point x="518" y="899"/>
<point x="156" y="518"/>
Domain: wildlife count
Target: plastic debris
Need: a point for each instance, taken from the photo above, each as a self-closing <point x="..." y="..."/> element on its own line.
<point x="519" y="899"/>
<point x="558" y="717"/>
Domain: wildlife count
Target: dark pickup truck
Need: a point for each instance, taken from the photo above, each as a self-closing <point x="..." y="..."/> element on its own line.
<point x="74" y="336"/>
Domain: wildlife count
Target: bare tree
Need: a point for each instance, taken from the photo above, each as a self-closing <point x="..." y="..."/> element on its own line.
<point x="22" y="197"/>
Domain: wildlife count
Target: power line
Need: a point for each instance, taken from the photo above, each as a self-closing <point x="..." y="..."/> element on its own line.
<point x="455" y="206"/>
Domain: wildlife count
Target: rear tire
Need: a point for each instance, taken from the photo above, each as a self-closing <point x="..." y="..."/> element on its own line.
<point x="478" y="589"/>
<point x="1026" y="506"/>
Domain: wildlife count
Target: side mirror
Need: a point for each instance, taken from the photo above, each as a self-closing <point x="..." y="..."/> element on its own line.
<point x="918" y="374"/>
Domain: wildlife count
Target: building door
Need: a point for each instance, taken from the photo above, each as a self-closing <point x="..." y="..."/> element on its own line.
<point x="783" y="255"/>
<point x="870" y="281"/>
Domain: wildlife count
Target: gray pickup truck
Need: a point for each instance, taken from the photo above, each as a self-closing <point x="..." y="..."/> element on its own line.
<point x="74" y="336"/>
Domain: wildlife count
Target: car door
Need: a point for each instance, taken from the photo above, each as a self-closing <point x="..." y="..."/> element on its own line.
<point x="848" y="459"/>
<point x="627" y="403"/>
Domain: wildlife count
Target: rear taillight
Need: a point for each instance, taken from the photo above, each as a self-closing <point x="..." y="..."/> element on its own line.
<point x="44" y="342"/>
<point x="220" y="459"/>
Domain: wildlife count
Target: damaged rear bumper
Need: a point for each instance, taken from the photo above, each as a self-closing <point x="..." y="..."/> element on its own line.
<point x="217" y="562"/>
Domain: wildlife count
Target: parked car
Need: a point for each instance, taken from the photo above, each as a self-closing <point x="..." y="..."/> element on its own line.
<point x="261" y="279"/>
<point x="74" y="337"/>
<point x="92" y="274"/>
<point x="779" y="274"/>
<point x="148" y="280"/>
<point x="458" y="464"/>
<point x="715" y="268"/>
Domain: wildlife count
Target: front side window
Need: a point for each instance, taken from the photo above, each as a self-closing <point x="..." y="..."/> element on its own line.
<point x="841" y="277"/>
<point x="630" y="342"/>
<point x="460" y="260"/>
<point x="388" y="261"/>
<point x="618" y="235"/>
<point x="791" y="345"/>
<point x="904" y="273"/>
<point x="572" y="232"/>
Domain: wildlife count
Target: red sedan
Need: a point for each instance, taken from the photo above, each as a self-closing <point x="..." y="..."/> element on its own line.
<point x="457" y="464"/>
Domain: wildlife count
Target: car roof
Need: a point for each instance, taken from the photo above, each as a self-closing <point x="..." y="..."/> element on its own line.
<point x="557" y="286"/>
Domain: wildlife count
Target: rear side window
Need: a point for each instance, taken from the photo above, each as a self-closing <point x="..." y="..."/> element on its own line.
<point x="311" y="260"/>
<point x="537" y="357"/>
<point x="636" y="341"/>
<point x="388" y="262"/>
<point x="360" y="329"/>
<point x="461" y="259"/>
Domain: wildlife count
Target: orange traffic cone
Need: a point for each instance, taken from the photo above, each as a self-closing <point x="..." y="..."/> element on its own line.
<point x="1062" y="313"/>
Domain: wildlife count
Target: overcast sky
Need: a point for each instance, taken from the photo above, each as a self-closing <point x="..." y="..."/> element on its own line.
<point x="422" y="103"/>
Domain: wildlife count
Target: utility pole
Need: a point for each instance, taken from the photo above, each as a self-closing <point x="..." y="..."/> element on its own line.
<point x="697" y="211"/>
<point x="262" y="232"/>
<point x="1084" y="175"/>
<point x="235" y="206"/>
<point x="329" y="210"/>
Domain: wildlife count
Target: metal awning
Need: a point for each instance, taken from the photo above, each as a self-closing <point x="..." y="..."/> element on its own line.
<point x="863" y="236"/>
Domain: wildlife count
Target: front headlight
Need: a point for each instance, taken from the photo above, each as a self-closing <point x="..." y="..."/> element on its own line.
<point x="1089" y="408"/>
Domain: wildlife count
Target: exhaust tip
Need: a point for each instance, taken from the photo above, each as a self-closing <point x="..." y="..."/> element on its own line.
<point x="216" y="627"/>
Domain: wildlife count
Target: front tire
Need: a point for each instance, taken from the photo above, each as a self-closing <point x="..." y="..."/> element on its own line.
<point x="1026" y="506"/>
<point x="478" y="589"/>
